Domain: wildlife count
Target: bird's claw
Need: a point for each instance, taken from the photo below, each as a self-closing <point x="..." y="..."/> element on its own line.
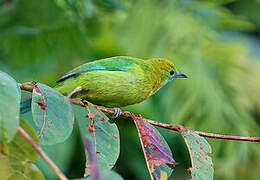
<point x="117" y="113"/>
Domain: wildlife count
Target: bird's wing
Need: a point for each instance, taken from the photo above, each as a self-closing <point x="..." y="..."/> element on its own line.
<point x="120" y="63"/>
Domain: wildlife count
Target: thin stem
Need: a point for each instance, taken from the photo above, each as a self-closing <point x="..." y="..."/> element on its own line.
<point x="27" y="86"/>
<point x="177" y="127"/>
<point x="174" y="127"/>
<point x="37" y="148"/>
<point x="92" y="161"/>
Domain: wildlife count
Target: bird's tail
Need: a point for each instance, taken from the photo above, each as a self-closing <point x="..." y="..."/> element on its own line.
<point x="25" y="106"/>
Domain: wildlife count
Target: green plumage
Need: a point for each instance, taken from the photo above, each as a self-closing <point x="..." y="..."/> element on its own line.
<point x="118" y="81"/>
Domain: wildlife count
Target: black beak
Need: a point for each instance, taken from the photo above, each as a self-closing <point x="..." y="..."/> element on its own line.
<point x="180" y="75"/>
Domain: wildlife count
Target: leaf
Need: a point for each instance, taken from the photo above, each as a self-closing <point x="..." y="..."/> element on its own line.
<point x="107" y="175"/>
<point x="18" y="163"/>
<point x="103" y="134"/>
<point x="52" y="114"/>
<point x="10" y="96"/>
<point x="156" y="150"/>
<point x="69" y="156"/>
<point x="71" y="151"/>
<point x="202" y="167"/>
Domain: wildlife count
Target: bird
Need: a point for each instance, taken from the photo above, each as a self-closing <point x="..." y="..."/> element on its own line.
<point x="118" y="81"/>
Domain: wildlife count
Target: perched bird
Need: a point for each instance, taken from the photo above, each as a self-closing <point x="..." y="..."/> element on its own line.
<point x="118" y="81"/>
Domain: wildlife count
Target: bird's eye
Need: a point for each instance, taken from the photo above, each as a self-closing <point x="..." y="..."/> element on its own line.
<point x="172" y="72"/>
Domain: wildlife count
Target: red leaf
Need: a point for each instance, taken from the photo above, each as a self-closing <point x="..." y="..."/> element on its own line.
<point x="155" y="152"/>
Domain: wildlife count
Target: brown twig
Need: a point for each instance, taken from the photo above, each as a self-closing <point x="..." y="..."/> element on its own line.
<point x="28" y="86"/>
<point x="174" y="127"/>
<point x="37" y="148"/>
<point x="177" y="127"/>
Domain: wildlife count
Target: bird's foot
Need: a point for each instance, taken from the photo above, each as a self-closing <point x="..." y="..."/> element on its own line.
<point x="76" y="90"/>
<point x="117" y="113"/>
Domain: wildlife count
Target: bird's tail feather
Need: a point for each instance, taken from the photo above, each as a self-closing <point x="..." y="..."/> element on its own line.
<point x="25" y="106"/>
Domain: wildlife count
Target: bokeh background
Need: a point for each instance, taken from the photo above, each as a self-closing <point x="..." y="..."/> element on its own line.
<point x="215" y="42"/>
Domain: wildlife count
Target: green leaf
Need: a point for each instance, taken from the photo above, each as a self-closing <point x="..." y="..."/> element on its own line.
<point x="10" y="96"/>
<point x="103" y="134"/>
<point x="20" y="148"/>
<point x="107" y="175"/>
<point x="52" y="114"/>
<point x="202" y="167"/>
<point x="18" y="163"/>
<point x="71" y="151"/>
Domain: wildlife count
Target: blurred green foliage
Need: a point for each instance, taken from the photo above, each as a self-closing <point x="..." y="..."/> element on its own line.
<point x="18" y="160"/>
<point x="219" y="50"/>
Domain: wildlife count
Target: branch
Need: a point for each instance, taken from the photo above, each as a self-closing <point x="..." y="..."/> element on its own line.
<point x="174" y="127"/>
<point x="37" y="148"/>
<point x="177" y="127"/>
<point x="28" y="86"/>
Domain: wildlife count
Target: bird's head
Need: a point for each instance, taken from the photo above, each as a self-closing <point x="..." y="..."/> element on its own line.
<point x="166" y="70"/>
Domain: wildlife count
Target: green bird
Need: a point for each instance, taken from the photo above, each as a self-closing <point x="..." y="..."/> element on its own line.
<point x="118" y="81"/>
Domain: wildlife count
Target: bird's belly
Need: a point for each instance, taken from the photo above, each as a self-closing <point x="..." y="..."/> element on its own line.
<point x="113" y="98"/>
<point x="112" y="89"/>
<point x="116" y="94"/>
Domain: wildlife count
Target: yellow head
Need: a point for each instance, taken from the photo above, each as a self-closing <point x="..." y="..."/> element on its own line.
<point x="165" y="70"/>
